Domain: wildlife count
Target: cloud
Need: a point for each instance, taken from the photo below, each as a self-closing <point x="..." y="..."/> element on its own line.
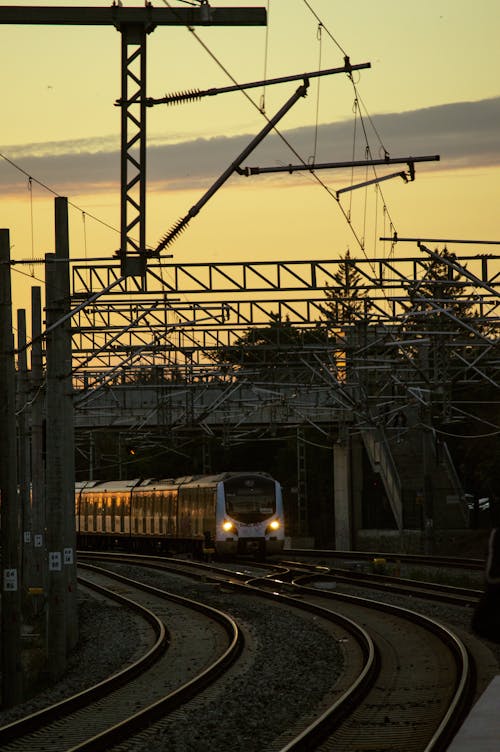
<point x="464" y="134"/>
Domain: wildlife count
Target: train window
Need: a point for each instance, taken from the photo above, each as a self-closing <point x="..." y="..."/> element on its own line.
<point x="113" y="514"/>
<point x="250" y="499"/>
<point x="171" y="513"/>
<point x="125" y="513"/>
<point x="161" y="500"/>
<point x="137" y="510"/>
<point x="145" y="507"/>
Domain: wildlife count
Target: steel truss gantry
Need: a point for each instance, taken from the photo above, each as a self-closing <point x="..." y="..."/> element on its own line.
<point x="184" y="314"/>
<point x="134" y="24"/>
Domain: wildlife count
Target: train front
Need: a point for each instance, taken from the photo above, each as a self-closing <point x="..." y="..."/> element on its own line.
<point x="249" y="515"/>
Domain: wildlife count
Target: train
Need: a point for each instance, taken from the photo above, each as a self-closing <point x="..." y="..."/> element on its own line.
<point x="226" y="514"/>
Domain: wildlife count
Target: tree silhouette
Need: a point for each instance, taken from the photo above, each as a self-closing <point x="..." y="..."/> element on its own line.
<point x="439" y="301"/>
<point x="346" y="301"/>
<point x="276" y="351"/>
<point x="442" y="311"/>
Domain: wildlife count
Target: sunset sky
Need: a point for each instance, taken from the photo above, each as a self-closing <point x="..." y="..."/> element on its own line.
<point x="433" y="88"/>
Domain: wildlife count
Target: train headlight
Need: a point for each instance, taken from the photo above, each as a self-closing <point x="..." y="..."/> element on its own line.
<point x="274" y="525"/>
<point x="227" y="526"/>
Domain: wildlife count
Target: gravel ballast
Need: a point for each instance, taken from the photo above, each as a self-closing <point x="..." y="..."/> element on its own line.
<point x="292" y="664"/>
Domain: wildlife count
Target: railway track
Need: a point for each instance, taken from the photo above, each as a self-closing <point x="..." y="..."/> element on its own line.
<point x="405" y="684"/>
<point x="437" y="591"/>
<point x="425" y="560"/>
<point x="427" y="695"/>
<point x="424" y="687"/>
<point x="107" y="713"/>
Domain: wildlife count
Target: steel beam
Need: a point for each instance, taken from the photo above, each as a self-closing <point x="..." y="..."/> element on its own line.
<point x="116" y="15"/>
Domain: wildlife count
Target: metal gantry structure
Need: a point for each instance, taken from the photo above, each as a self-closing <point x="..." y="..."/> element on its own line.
<point x="185" y="315"/>
<point x="175" y="359"/>
<point x="134" y="25"/>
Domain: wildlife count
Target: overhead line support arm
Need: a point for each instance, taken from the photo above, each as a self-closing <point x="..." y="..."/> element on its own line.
<point x="247" y="171"/>
<point x="187" y="96"/>
<point x="233" y="167"/>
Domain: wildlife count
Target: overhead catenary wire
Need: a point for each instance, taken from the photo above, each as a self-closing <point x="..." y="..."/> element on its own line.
<point x="276" y="130"/>
<point x="55" y="193"/>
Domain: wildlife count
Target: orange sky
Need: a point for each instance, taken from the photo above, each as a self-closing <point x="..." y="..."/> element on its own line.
<point x="433" y="89"/>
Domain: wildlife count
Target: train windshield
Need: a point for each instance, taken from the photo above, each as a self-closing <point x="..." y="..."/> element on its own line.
<point x="250" y="499"/>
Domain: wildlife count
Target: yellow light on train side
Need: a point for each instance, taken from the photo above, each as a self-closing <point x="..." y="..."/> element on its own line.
<point x="227" y="526"/>
<point x="274" y="525"/>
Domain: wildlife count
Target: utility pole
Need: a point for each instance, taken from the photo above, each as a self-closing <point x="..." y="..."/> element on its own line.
<point x="54" y="474"/>
<point x="37" y="587"/>
<point x="64" y="367"/>
<point x="12" y="684"/>
<point x="23" y="482"/>
<point x="60" y="476"/>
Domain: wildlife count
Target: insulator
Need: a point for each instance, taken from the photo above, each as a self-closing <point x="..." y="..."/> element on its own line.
<point x="183" y="96"/>
<point x="172" y="234"/>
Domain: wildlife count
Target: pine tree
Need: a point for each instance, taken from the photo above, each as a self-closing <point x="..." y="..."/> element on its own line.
<point x="346" y="301"/>
<point x="439" y="302"/>
<point x="274" y="351"/>
<point x="441" y="310"/>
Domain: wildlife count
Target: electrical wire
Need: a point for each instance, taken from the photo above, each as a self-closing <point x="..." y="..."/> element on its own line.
<point x="358" y="100"/>
<point x="278" y="133"/>
<point x="55" y="193"/>
<point x="327" y="31"/>
<point x="461" y="435"/>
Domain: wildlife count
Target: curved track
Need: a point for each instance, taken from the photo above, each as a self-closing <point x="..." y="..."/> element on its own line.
<point x="406" y="683"/>
<point x="413" y="703"/>
<point x="424" y="687"/>
<point x="109" y="712"/>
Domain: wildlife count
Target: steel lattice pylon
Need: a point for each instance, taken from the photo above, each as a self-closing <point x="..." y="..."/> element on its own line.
<point x="133" y="142"/>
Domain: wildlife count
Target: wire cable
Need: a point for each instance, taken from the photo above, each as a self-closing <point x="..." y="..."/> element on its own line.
<point x="278" y="133"/>
<point x="55" y="193"/>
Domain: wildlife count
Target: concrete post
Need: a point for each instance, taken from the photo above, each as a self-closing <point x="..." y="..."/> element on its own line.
<point x="12" y="679"/>
<point x="22" y="409"/>
<point x="67" y="419"/>
<point x="60" y="475"/>
<point x="342" y="496"/>
<point x="38" y="584"/>
<point x="54" y="473"/>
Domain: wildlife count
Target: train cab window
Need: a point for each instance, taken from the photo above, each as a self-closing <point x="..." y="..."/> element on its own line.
<point x="250" y="499"/>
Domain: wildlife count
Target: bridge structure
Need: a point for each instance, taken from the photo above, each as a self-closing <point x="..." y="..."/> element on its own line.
<point x="231" y="352"/>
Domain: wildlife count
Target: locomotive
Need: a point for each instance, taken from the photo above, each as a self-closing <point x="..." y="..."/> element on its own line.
<point x="230" y="513"/>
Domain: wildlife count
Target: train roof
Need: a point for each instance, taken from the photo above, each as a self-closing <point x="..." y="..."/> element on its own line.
<point x="118" y="486"/>
<point x="202" y="480"/>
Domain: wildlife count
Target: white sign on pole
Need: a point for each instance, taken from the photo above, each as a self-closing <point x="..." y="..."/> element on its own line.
<point x="55" y="561"/>
<point x="10" y="580"/>
<point x="68" y="556"/>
